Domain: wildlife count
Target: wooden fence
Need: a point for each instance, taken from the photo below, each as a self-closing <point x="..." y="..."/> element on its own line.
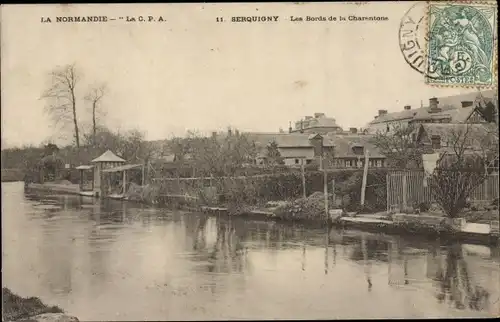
<point x="407" y="188"/>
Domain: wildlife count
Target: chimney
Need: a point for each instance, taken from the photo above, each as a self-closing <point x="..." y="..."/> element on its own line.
<point x="433" y="104"/>
<point x="353" y="130"/>
<point x="467" y="103"/>
<point x="382" y="112"/>
<point x="214" y="135"/>
<point x="318" y="115"/>
<point x="229" y="132"/>
<point x="407" y="107"/>
<point x="290" y="127"/>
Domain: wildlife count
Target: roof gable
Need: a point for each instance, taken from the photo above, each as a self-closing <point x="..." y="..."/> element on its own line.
<point x="108" y="156"/>
<point x="446" y="131"/>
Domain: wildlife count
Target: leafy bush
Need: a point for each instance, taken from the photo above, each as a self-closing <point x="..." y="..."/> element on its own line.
<point x="424" y="206"/>
<point x="15" y="307"/>
<point x="312" y="207"/>
<point x="258" y="190"/>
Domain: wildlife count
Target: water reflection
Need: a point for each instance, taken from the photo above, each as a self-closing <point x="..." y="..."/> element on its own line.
<point x="455" y="282"/>
<point x="227" y="252"/>
<point x="145" y="263"/>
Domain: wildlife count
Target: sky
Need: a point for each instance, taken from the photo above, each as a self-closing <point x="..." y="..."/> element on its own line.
<point x="191" y="72"/>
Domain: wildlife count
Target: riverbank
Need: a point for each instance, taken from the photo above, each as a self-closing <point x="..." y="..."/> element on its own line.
<point x="16" y="308"/>
<point x="310" y="211"/>
<point x="398" y="224"/>
<point x="65" y="187"/>
<point x="12" y="175"/>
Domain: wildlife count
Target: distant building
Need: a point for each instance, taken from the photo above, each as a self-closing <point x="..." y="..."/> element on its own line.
<point x="319" y="123"/>
<point x="465" y="108"/>
<point x="341" y="151"/>
<point x="444" y="137"/>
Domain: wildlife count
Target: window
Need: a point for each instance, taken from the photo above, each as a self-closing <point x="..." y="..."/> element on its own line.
<point x="358" y="150"/>
<point x="296" y="161"/>
<point x="379" y="163"/>
<point x="308" y="161"/>
<point x="348" y="163"/>
<point x="436" y="141"/>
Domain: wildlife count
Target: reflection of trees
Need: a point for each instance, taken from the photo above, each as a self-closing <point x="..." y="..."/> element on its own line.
<point x="57" y="256"/>
<point x="98" y="270"/>
<point x="375" y="250"/>
<point x="99" y="242"/>
<point x="227" y="254"/>
<point x="456" y="286"/>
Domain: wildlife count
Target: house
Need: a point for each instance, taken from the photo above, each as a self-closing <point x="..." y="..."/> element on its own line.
<point x="441" y="137"/>
<point x="295" y="148"/>
<point x="349" y="151"/>
<point x="447" y="139"/>
<point x="340" y="151"/>
<point x="319" y="123"/>
<point x="463" y="108"/>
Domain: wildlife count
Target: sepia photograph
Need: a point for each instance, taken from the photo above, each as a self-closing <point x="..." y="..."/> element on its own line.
<point x="250" y="161"/>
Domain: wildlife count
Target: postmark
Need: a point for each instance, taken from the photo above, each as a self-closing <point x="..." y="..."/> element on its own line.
<point x="413" y="38"/>
<point x="461" y="49"/>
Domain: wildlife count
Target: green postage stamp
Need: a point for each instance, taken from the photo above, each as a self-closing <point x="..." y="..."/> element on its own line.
<point x="462" y="47"/>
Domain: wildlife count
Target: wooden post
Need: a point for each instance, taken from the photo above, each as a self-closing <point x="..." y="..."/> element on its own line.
<point x="334" y="198"/>
<point x="143" y="174"/>
<point x="303" y="179"/>
<point x="325" y="186"/>
<point x="405" y="190"/>
<point x="124" y="181"/>
<point x="327" y="243"/>
<point x="365" y="174"/>
<point x="387" y="180"/>
<point x="81" y="180"/>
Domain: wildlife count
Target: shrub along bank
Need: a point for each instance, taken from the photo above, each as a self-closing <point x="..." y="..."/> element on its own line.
<point x="239" y="194"/>
<point x="15" y="307"/>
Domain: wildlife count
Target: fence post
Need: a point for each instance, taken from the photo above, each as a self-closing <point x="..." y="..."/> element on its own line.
<point x="325" y="186"/>
<point x="387" y="180"/>
<point x="405" y="190"/>
<point x="334" y="198"/>
<point x="365" y="175"/>
<point x="303" y="178"/>
<point x="487" y="190"/>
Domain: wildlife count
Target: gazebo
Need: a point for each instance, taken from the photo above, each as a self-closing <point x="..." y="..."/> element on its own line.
<point x="107" y="160"/>
<point x="86" y="178"/>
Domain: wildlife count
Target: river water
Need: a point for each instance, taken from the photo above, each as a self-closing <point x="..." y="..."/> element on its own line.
<point x="110" y="260"/>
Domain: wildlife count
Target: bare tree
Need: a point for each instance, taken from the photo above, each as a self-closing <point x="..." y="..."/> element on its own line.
<point x="399" y="147"/>
<point x="94" y="96"/>
<point x="220" y="155"/>
<point x="466" y="164"/>
<point x="61" y="97"/>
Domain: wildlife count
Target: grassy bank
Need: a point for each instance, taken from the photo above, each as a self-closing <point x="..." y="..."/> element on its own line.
<point x="15" y="307"/>
<point x="12" y="175"/>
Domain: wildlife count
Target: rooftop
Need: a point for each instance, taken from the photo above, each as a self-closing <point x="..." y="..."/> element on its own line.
<point x="108" y="156"/>
<point x="446" y="104"/>
<point x="479" y="134"/>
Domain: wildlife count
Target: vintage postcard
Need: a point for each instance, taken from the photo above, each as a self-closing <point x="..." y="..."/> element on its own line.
<point x="228" y="161"/>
